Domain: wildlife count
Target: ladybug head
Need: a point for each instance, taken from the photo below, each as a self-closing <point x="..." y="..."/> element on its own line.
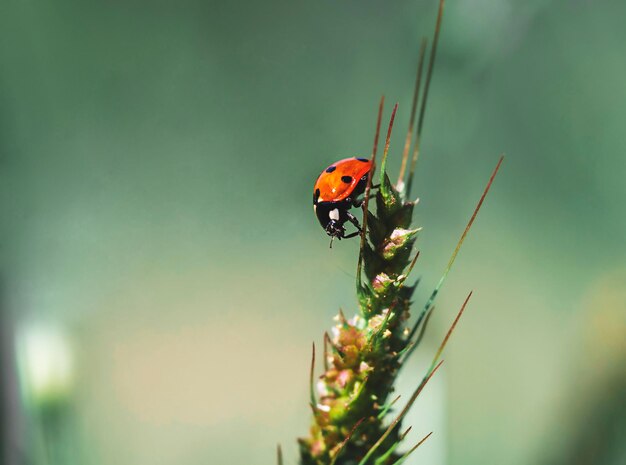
<point x="335" y="229"/>
<point x="333" y="216"/>
<point x="334" y="219"/>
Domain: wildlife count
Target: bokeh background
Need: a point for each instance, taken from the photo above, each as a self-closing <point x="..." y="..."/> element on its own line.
<point x="163" y="275"/>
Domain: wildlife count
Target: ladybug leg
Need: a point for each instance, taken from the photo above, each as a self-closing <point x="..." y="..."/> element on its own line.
<point x="354" y="234"/>
<point x="354" y="221"/>
<point x="357" y="203"/>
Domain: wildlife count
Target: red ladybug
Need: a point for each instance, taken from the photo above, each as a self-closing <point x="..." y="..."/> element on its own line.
<point x="336" y="191"/>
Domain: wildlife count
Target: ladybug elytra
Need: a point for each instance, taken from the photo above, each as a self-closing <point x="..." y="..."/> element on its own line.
<point x="336" y="191"/>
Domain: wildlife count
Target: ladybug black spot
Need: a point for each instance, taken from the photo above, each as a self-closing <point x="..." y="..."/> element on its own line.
<point x="363" y="159"/>
<point x="330" y="169"/>
<point x="346" y="179"/>
<point x="316" y="195"/>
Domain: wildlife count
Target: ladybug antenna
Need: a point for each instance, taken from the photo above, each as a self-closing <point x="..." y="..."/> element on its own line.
<point x="420" y="121"/>
<point x="332" y="238"/>
<point x="409" y="133"/>
<point x="368" y="188"/>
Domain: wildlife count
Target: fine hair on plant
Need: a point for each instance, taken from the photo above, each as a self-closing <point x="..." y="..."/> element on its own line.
<point x="356" y="419"/>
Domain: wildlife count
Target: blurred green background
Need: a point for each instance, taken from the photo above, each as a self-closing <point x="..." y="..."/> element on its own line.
<point x="163" y="274"/>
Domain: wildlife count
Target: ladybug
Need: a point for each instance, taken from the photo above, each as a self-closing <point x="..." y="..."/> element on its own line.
<point x="336" y="191"/>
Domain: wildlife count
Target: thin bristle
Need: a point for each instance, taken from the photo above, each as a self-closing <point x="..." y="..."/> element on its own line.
<point x="449" y="333"/>
<point x="420" y="121"/>
<point x="411" y="265"/>
<point x="422" y="441"/>
<point x="400" y="416"/>
<point x="431" y="65"/>
<point x="368" y="187"/>
<point x="386" y="408"/>
<point x="432" y="297"/>
<point x="345" y="441"/>
<point x="325" y="351"/>
<point x="383" y="163"/>
<point x="381" y="105"/>
<point x="412" y="449"/>
<point x="429" y="304"/>
<point x="415" y="344"/>
<point x="403" y="435"/>
<point x="342" y="317"/>
<point x="279" y="455"/>
<point x="332" y="344"/>
<point x="416" y="91"/>
<point x="423" y="330"/>
<point x="312" y="376"/>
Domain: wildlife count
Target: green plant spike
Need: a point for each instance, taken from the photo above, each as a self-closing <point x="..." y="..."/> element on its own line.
<point x="351" y="399"/>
